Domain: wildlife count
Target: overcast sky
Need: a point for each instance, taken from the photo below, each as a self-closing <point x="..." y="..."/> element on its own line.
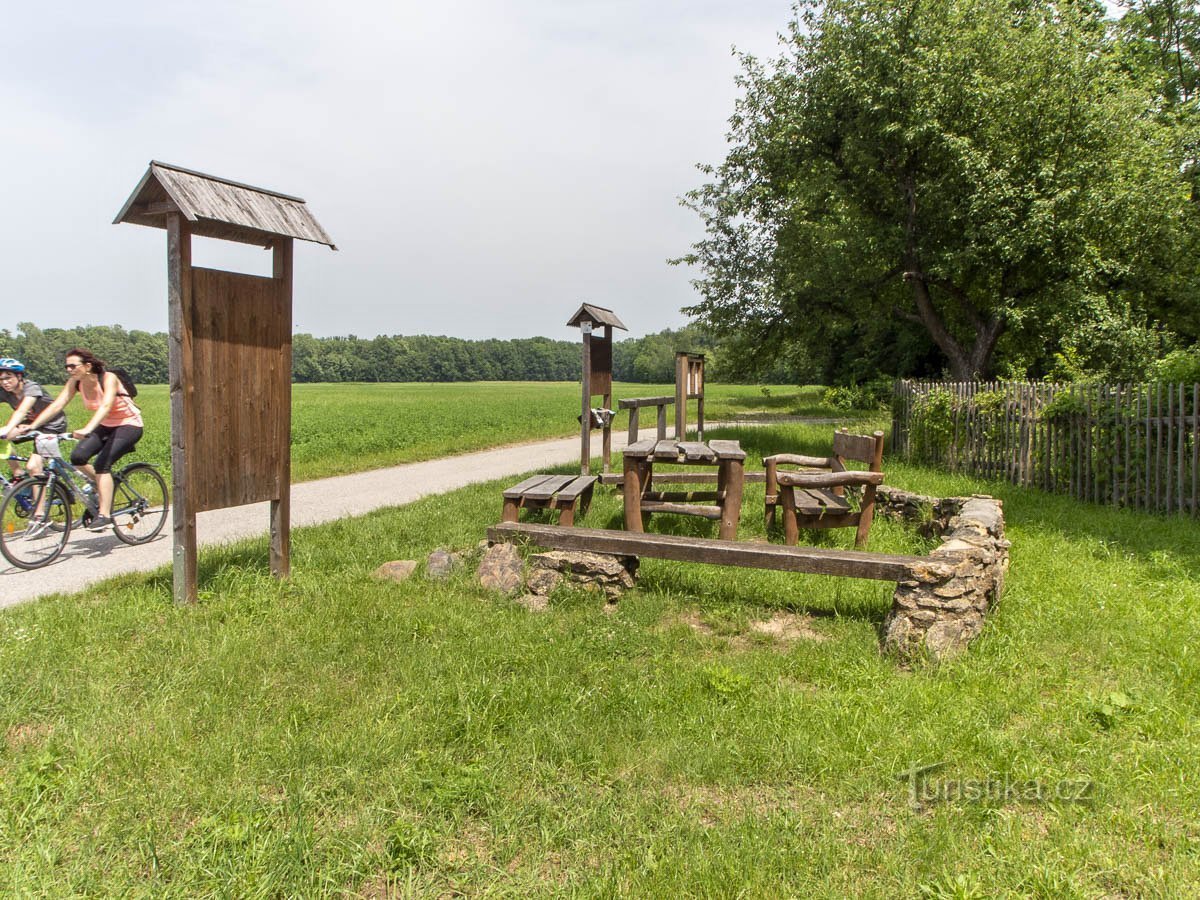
<point x="482" y="167"/>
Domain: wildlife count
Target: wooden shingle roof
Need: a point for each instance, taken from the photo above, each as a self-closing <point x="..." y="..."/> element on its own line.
<point x="597" y="315"/>
<point x="219" y="208"/>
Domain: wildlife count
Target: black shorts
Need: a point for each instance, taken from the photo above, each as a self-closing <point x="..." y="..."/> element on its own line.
<point x="107" y="443"/>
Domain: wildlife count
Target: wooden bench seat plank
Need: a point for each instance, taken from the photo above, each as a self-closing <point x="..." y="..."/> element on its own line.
<point x="667" y="450"/>
<point x="696" y="451"/>
<point x="518" y="490"/>
<point x="641" y="448"/>
<point x="816" y="502"/>
<point x="809" y="560"/>
<point x="577" y="487"/>
<point x="727" y="449"/>
<point x="548" y="488"/>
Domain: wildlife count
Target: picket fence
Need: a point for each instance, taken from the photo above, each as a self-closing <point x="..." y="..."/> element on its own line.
<point x="1129" y="445"/>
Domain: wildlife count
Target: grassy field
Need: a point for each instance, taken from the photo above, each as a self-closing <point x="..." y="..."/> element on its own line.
<point x="335" y="735"/>
<point x="342" y="428"/>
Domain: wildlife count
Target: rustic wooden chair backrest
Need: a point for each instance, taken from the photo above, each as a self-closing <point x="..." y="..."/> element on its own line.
<point x="867" y="448"/>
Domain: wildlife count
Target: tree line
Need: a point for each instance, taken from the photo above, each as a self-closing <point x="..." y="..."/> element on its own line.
<point x="390" y="358"/>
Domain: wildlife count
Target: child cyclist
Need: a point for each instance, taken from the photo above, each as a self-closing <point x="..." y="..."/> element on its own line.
<point x="28" y="399"/>
<point x="113" y="430"/>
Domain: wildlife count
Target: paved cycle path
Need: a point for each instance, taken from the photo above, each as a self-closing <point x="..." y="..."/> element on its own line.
<point x="89" y="558"/>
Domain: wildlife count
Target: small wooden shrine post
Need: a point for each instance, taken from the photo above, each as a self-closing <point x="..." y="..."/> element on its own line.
<point x="230" y="352"/>
<point x="597" y="377"/>
<point x="689" y="385"/>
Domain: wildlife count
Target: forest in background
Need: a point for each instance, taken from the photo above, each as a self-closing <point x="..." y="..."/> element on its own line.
<point x="385" y="358"/>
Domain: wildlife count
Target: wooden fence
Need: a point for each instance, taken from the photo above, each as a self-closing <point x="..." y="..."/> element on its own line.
<point x="1131" y="445"/>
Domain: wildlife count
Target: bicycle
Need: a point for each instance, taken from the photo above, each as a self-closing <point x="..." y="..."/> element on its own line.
<point x="36" y="513"/>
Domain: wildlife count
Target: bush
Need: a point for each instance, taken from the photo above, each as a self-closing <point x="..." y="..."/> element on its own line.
<point x="1178" y="367"/>
<point x="870" y="395"/>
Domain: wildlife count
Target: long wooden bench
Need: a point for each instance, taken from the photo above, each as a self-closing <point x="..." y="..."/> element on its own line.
<point x="808" y="560"/>
<point x="558" y="492"/>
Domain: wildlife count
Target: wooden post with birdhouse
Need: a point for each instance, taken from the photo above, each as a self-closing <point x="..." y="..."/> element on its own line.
<point x="689" y="385"/>
<point x="229" y="353"/>
<point x="596" y="381"/>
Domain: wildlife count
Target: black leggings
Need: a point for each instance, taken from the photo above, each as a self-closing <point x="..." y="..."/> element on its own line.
<point x="107" y="443"/>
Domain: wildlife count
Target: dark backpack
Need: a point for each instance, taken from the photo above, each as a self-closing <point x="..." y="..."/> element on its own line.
<point x="126" y="380"/>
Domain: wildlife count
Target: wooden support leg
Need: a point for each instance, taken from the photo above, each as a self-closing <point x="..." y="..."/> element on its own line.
<point x="865" y="517"/>
<point x="791" y="528"/>
<point x="633" y="495"/>
<point x="511" y="510"/>
<point x="731" y="506"/>
<point x="585" y="501"/>
<point x="566" y="515"/>
<point x="281" y="540"/>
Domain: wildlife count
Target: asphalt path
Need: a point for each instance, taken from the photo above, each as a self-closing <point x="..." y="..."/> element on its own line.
<point x="89" y="558"/>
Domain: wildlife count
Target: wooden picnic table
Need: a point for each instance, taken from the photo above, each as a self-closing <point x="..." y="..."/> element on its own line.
<point x="727" y="457"/>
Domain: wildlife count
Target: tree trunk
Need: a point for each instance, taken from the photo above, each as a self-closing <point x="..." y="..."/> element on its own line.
<point x="965" y="363"/>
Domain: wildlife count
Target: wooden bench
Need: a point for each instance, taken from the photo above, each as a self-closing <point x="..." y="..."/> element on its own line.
<point x="816" y="496"/>
<point x="809" y="560"/>
<point x="558" y="492"/>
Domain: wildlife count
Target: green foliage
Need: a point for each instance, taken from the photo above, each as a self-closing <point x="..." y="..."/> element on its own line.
<point x="932" y="426"/>
<point x="1178" y="367"/>
<point x="385" y="358"/>
<point x="980" y="178"/>
<point x="873" y="395"/>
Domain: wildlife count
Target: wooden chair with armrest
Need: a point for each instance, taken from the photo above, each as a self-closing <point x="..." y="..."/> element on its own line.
<point x="815" y="496"/>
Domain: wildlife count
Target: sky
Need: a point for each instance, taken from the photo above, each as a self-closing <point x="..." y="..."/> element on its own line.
<point x="482" y="167"/>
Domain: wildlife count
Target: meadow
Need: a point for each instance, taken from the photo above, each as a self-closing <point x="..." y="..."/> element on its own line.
<point x="343" y="428"/>
<point x="336" y="735"/>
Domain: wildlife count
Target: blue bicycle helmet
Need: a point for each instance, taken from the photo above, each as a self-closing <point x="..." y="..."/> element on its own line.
<point x="8" y="364"/>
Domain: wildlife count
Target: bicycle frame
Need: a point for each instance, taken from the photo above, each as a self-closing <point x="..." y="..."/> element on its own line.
<point x="58" y="468"/>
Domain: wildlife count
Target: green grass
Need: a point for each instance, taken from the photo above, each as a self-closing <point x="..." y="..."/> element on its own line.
<point x="337" y="734"/>
<point x="343" y="428"/>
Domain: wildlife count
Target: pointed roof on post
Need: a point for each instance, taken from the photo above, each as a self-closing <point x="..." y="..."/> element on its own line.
<point x="597" y="315"/>
<point x="219" y="208"/>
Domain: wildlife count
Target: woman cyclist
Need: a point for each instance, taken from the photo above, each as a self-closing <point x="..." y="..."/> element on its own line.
<point x="28" y="399"/>
<point x="113" y="430"/>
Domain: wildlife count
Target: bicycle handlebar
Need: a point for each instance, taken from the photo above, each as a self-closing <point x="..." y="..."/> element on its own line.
<point x="34" y="435"/>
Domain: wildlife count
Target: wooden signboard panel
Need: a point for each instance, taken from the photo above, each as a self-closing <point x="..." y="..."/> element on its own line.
<point x="601" y="359"/>
<point x="241" y="388"/>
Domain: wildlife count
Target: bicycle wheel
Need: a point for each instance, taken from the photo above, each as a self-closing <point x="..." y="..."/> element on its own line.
<point x="139" y="503"/>
<point x="35" y="522"/>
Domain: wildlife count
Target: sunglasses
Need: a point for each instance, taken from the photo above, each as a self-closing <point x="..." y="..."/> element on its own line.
<point x="70" y="366"/>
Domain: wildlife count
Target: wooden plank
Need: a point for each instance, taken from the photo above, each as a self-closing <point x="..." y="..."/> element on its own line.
<point x="1180" y="450"/>
<point x="727" y="449"/>
<point x="684" y="496"/>
<point x="549" y="487"/>
<point x="1195" y="448"/>
<point x="695" y="450"/>
<point x="518" y="490"/>
<point x="682" y="509"/>
<point x="681" y="374"/>
<point x="179" y="346"/>
<point x="633" y="426"/>
<point x="577" y="487"/>
<point x="815" y="502"/>
<point x="661" y="423"/>
<point x="807" y="560"/>
<point x="638" y="402"/>
<point x="641" y="448"/>
<point x="667" y="450"/>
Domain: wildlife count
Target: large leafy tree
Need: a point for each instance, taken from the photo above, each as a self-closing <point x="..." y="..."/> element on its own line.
<point x="982" y="172"/>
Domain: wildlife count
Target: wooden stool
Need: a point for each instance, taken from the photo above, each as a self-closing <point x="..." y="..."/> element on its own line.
<point x="560" y="492"/>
